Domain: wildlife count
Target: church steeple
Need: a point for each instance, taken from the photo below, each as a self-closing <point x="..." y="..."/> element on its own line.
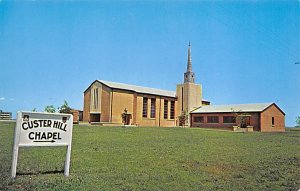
<point x="189" y="94"/>
<point x="189" y="76"/>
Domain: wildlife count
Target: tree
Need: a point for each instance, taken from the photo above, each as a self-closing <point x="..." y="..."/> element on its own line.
<point x="183" y="118"/>
<point x="64" y="108"/>
<point x="50" y="109"/>
<point x="124" y="116"/>
<point x="298" y="121"/>
<point x="34" y="110"/>
<point x="241" y="117"/>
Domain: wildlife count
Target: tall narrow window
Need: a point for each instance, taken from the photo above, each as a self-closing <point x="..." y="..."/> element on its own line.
<point x="96" y="98"/>
<point x="273" y="121"/>
<point x="181" y="99"/>
<point x="94" y="91"/>
<point x="172" y="110"/>
<point x="165" y="109"/>
<point x="145" y="106"/>
<point x="152" y="114"/>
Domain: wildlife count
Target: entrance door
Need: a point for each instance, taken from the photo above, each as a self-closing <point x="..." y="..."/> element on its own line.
<point x="95" y="117"/>
<point x="245" y="122"/>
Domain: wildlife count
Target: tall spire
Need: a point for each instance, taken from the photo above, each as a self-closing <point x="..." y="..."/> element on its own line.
<point x="189" y="63"/>
<point x="189" y="76"/>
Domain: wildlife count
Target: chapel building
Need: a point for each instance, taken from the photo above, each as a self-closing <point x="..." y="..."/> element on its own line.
<point x="108" y="102"/>
<point x="112" y="103"/>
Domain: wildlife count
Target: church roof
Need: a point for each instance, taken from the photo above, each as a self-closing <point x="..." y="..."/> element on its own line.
<point x="257" y="107"/>
<point x="138" y="89"/>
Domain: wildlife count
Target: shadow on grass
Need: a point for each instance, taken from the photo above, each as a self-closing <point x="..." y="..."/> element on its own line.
<point x="37" y="173"/>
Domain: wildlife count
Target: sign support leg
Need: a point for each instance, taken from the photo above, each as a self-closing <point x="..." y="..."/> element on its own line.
<point x="14" y="161"/>
<point x="67" y="162"/>
<point x="16" y="147"/>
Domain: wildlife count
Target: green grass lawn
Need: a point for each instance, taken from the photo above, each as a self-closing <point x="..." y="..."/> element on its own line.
<point x="141" y="158"/>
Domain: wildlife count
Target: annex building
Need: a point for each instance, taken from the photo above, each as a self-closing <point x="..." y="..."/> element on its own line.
<point x="264" y="117"/>
<point x="110" y="103"/>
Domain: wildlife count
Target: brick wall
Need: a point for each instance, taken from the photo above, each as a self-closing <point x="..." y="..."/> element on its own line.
<point x="86" y="105"/>
<point x="134" y="114"/>
<point x="105" y="104"/>
<point x="168" y="122"/>
<point x="254" y="121"/>
<point x="266" y="120"/>
<point x="159" y="115"/>
<point x="192" y="96"/>
<point x="121" y="99"/>
<point x="75" y="114"/>
<point x="144" y="121"/>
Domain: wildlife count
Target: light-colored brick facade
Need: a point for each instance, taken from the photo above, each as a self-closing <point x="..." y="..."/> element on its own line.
<point x="114" y="101"/>
<point x="189" y="97"/>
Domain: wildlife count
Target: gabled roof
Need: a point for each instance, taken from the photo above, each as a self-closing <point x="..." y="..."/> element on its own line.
<point x="138" y="89"/>
<point x="257" y="107"/>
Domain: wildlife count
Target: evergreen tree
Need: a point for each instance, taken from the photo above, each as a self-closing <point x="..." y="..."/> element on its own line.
<point x="298" y="121"/>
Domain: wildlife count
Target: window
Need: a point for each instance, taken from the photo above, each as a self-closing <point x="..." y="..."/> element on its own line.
<point x="213" y="119"/>
<point x="145" y="106"/>
<point x="153" y="101"/>
<point x="165" y="109"/>
<point x="93" y="98"/>
<point x="229" y="119"/>
<point x="172" y="110"/>
<point x="96" y="98"/>
<point x="273" y="121"/>
<point x="181" y="99"/>
<point x="199" y="119"/>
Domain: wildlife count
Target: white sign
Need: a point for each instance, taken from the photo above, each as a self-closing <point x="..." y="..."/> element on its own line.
<point x="42" y="129"/>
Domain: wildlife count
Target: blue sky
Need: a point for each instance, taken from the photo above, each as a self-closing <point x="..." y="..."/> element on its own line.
<point x="242" y="51"/>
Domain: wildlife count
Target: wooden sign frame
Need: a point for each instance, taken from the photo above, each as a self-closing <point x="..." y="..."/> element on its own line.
<point x="42" y="129"/>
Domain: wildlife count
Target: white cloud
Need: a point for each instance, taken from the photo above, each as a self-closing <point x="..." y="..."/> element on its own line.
<point x="2" y="98"/>
<point x="12" y="99"/>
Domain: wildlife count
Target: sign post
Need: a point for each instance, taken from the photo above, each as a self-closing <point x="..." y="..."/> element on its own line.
<point x="42" y="129"/>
